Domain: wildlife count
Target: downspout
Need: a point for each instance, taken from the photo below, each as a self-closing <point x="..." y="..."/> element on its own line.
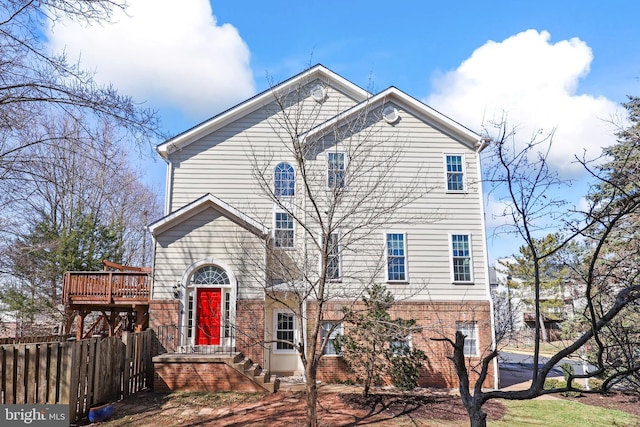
<point x="167" y="185"/>
<point x="303" y="333"/>
<point x="480" y="146"/>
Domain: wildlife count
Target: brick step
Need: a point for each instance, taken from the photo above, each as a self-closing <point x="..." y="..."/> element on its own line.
<point x="254" y="372"/>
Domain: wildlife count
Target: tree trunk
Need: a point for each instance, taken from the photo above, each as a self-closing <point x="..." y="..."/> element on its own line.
<point x="477" y="417"/>
<point x="312" y="396"/>
<point x="543" y="330"/>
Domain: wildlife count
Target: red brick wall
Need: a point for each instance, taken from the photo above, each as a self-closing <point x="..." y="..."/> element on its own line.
<point x="437" y="319"/>
<point x="250" y="329"/>
<point x="204" y="376"/>
<point x="163" y="313"/>
<point x="333" y="369"/>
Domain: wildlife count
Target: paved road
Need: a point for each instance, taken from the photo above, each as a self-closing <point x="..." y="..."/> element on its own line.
<point x="517" y="368"/>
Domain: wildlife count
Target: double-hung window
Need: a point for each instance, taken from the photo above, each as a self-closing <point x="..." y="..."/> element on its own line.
<point x="396" y="247"/>
<point x="461" y="257"/>
<point x="285" y="331"/>
<point x="330" y="336"/>
<point x="455" y="172"/>
<point x="336" y="170"/>
<point x="283" y="234"/>
<point x="470" y="331"/>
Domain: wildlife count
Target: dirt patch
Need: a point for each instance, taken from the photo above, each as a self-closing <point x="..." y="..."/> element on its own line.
<point x="289" y="409"/>
<point x="625" y="402"/>
<point x="424" y="407"/>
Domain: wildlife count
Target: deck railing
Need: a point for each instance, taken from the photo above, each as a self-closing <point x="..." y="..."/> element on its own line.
<point x="105" y="287"/>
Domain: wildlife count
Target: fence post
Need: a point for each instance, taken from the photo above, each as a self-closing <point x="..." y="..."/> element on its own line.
<point x="8" y="354"/>
<point x="69" y="377"/>
<point x="147" y="335"/>
<point x="126" y="363"/>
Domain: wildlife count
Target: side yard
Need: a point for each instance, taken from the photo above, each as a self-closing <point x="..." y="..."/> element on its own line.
<point x="342" y="406"/>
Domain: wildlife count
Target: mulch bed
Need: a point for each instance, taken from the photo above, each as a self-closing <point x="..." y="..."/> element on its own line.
<point x="425" y="407"/>
<point x="625" y="402"/>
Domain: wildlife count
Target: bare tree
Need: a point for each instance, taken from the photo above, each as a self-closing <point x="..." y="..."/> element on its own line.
<point x="326" y="219"/>
<point x="36" y="83"/>
<point x="610" y="284"/>
<point x="50" y="110"/>
<point x="75" y="201"/>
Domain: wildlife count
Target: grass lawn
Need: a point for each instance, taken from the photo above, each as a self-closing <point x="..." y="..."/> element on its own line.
<point x="547" y="349"/>
<point x="561" y="413"/>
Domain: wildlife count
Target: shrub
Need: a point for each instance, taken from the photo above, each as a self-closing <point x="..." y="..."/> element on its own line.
<point x="567" y="369"/>
<point x="404" y="367"/>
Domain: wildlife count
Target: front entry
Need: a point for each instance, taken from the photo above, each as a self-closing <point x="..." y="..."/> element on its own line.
<point x="208" y="316"/>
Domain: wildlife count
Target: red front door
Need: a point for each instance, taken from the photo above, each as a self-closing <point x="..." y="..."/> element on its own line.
<point x="208" y="322"/>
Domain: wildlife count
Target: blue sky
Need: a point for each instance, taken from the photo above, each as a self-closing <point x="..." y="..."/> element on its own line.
<point x="547" y="64"/>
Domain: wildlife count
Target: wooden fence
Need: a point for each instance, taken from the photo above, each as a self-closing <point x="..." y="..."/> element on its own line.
<point x="35" y="338"/>
<point x="78" y="373"/>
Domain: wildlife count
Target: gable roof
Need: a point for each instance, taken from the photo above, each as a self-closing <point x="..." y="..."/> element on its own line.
<point x="252" y="104"/>
<point x="201" y="204"/>
<point x="433" y="117"/>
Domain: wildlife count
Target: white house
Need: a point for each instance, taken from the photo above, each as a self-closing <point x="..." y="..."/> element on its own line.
<point x="238" y="202"/>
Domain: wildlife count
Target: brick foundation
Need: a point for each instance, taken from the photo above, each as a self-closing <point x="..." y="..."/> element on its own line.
<point x="333" y="369"/>
<point x="208" y="376"/>
<point x="437" y="319"/>
<point x="250" y="329"/>
<point x="163" y="313"/>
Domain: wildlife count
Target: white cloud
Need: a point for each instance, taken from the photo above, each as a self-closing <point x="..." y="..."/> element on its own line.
<point x="165" y="52"/>
<point x="535" y="83"/>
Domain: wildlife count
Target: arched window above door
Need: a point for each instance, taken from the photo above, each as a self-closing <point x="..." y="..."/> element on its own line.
<point x="210" y="275"/>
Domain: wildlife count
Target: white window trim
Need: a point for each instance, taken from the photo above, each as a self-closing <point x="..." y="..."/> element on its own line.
<point x="459" y="326"/>
<point x="275" y="332"/>
<point x="279" y="209"/>
<point x="386" y="257"/>
<point x="451" y="267"/>
<point x="446" y="174"/>
<point x="338" y="330"/>
<point x="339" y="279"/>
<point x="326" y="166"/>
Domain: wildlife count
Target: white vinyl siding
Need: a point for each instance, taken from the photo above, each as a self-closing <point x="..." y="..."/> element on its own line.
<point x="207" y="234"/>
<point x="219" y="164"/>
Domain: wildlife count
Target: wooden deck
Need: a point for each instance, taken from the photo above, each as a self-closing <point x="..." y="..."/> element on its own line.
<point x="118" y="297"/>
<point x="106" y="288"/>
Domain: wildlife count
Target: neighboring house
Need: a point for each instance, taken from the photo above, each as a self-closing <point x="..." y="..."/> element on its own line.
<point x="220" y="233"/>
<point x="515" y="309"/>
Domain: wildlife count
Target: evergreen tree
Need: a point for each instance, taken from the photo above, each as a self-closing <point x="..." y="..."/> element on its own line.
<point x="375" y="345"/>
<point x="553" y="278"/>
